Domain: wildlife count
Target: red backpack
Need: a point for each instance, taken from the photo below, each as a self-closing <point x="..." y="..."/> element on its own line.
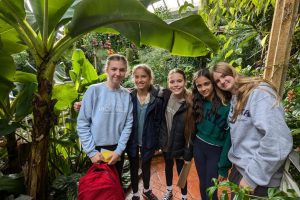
<point x="101" y="182"/>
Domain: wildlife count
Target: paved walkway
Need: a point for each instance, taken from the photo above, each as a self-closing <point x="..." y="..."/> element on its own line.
<point x="158" y="182"/>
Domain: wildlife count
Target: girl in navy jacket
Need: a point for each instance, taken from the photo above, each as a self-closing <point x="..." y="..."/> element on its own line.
<point x="147" y="114"/>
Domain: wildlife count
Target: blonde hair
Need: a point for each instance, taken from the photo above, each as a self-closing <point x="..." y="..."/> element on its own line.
<point x="243" y="85"/>
<point x="116" y="57"/>
<point x="146" y="69"/>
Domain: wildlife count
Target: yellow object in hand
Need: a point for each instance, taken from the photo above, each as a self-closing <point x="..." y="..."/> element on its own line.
<point x="106" y="155"/>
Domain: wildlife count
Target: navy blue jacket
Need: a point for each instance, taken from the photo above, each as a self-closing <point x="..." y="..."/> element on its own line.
<point x="152" y="124"/>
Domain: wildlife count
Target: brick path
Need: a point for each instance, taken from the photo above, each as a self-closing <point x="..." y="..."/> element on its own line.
<point x="158" y="182"/>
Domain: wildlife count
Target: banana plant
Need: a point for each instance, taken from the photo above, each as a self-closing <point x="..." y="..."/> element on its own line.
<point x="48" y="28"/>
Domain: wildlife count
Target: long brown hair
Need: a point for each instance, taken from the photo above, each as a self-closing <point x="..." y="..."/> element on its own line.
<point x="243" y="85"/>
<point x="218" y="97"/>
<point x="189" y="122"/>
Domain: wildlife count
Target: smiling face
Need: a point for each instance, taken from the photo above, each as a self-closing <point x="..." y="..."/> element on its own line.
<point x="116" y="71"/>
<point x="141" y="79"/>
<point x="225" y="83"/>
<point x="204" y="87"/>
<point x="176" y="84"/>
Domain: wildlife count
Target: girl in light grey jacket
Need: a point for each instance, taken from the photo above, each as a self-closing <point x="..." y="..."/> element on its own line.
<point x="261" y="140"/>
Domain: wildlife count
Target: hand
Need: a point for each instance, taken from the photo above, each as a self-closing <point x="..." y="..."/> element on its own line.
<point x="77" y="106"/>
<point x="221" y="178"/>
<point x="244" y="184"/>
<point x="114" y="157"/>
<point x="97" y="158"/>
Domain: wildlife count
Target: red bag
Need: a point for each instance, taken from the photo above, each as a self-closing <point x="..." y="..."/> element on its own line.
<point x="101" y="182"/>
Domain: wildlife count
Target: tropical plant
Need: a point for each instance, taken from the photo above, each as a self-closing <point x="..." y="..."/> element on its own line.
<point x="228" y="188"/>
<point x="38" y="29"/>
<point x="242" y="27"/>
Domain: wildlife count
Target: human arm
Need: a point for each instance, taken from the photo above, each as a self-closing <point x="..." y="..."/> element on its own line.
<point x="84" y="121"/>
<point x="97" y="158"/>
<point x="224" y="163"/>
<point x="275" y="141"/>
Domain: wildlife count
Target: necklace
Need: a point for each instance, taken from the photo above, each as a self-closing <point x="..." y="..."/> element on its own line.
<point x="144" y="99"/>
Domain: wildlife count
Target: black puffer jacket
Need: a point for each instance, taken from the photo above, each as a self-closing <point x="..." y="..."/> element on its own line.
<point x="178" y="146"/>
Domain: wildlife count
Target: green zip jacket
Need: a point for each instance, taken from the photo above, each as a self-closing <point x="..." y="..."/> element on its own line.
<point x="214" y="130"/>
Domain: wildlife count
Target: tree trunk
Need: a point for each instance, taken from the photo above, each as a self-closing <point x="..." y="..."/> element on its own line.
<point x="12" y="151"/>
<point x="43" y="120"/>
<point x="280" y="43"/>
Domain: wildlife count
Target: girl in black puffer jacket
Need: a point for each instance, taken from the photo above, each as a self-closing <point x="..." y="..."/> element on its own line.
<point x="177" y="127"/>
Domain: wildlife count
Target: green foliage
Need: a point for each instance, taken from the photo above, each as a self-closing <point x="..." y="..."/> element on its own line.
<point x="161" y="62"/>
<point x="185" y="6"/>
<point x="163" y="13"/>
<point x="7" y="127"/>
<point x="242" y="28"/>
<point x="65" y="94"/>
<point x="184" y="32"/>
<point x="245" y="194"/>
<point x="13" y="183"/>
<point x="65" y="187"/>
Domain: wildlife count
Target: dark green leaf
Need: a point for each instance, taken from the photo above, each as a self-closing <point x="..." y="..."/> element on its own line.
<point x="10" y="41"/>
<point x="188" y="36"/>
<point x="24" y="77"/>
<point x="56" y="10"/>
<point x="8" y="70"/>
<point x="24" y="98"/>
<point x="13" y="183"/>
<point x="12" y="10"/>
<point x="7" y="127"/>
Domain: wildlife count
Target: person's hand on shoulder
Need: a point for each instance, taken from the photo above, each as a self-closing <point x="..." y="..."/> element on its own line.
<point x="77" y="106"/>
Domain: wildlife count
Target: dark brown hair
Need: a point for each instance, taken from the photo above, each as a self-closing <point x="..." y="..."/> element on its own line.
<point x="218" y="98"/>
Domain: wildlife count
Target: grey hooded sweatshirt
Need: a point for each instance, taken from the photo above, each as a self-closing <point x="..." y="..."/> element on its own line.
<point x="261" y="140"/>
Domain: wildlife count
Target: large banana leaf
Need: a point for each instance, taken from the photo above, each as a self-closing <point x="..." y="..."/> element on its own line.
<point x="8" y="69"/>
<point x="23" y="100"/>
<point x="188" y="36"/>
<point x="10" y="43"/>
<point x="65" y="94"/>
<point x="17" y="8"/>
<point x="56" y="9"/>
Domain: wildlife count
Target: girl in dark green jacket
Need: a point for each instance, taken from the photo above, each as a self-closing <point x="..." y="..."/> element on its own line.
<point x="212" y="140"/>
